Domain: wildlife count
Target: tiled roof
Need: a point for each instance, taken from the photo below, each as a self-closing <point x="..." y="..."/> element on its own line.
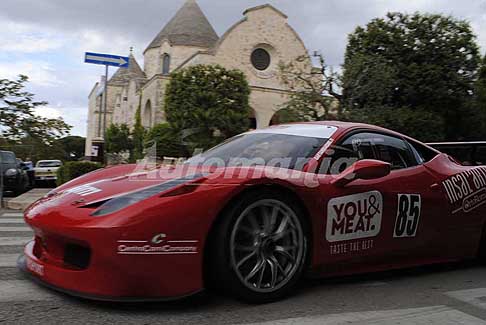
<point x="123" y="75"/>
<point x="188" y="27"/>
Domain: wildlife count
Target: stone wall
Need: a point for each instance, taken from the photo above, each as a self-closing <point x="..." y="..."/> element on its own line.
<point x="178" y="54"/>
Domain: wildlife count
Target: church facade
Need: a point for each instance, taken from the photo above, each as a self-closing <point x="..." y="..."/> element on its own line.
<point x="256" y="45"/>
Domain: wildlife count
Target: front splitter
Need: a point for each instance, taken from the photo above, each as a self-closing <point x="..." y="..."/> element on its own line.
<point x="22" y="266"/>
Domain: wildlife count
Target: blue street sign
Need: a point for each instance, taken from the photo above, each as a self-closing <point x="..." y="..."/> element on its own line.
<point x="107" y="59"/>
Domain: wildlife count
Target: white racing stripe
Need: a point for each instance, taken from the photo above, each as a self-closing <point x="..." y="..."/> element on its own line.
<point x="21" y="290"/>
<point x="15" y="229"/>
<point x="8" y="260"/>
<point x="14" y="241"/>
<point x="440" y="315"/>
<point x="12" y="220"/>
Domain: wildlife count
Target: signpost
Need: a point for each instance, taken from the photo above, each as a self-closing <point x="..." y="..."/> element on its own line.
<point x="106" y="60"/>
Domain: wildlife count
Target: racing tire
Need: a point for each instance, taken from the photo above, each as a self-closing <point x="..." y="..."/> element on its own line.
<point x="259" y="250"/>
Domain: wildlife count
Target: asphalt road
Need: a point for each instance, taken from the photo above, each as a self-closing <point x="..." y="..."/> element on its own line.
<point x="446" y="294"/>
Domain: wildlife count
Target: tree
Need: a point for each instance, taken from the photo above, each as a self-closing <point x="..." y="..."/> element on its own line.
<point x="138" y="134"/>
<point x="418" y="62"/>
<point x="17" y="116"/>
<point x="476" y="117"/>
<point x="313" y="91"/>
<point x="209" y="102"/>
<point x="34" y="149"/>
<point x="118" y="138"/>
<point x="167" y="140"/>
<point x="480" y="89"/>
<point x="72" y="146"/>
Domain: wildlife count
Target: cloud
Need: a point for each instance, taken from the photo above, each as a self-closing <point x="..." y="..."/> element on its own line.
<point x="74" y="116"/>
<point x="25" y="38"/>
<point x="48" y="112"/>
<point x="40" y="73"/>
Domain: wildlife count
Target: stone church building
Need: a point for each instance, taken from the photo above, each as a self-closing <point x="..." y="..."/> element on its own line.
<point x="255" y="45"/>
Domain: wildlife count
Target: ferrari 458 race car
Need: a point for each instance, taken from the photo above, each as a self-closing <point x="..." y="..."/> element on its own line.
<point x="256" y="213"/>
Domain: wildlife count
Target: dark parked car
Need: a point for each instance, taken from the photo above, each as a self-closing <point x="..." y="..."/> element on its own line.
<point x="467" y="153"/>
<point x="15" y="178"/>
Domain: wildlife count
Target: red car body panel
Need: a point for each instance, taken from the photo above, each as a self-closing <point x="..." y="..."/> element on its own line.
<point x="155" y="248"/>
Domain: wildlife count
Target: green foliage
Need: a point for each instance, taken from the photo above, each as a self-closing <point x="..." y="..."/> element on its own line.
<point x="313" y="97"/>
<point x="421" y="62"/>
<point x="480" y="88"/>
<point x="118" y="138"/>
<point x="419" y="124"/>
<point x="208" y="103"/>
<point x="138" y="134"/>
<point x="167" y="140"/>
<point x="74" y="169"/>
<point x="17" y="116"/>
<point x="72" y="147"/>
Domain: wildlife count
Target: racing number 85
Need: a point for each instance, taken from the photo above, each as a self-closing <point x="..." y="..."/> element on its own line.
<point x="408" y="215"/>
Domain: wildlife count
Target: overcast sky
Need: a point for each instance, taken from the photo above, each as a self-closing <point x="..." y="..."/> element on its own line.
<point x="46" y="39"/>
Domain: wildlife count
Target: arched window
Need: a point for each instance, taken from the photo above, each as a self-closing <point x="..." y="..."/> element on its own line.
<point x="147" y="115"/>
<point x="165" y="64"/>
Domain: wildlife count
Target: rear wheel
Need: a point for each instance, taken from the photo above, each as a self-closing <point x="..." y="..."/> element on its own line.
<point x="261" y="247"/>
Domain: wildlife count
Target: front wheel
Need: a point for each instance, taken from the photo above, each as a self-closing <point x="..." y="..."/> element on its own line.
<point x="261" y="247"/>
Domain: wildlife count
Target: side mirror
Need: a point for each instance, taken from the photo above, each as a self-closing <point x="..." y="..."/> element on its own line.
<point x="363" y="169"/>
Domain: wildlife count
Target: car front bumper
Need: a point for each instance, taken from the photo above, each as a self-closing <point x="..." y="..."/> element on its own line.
<point x="114" y="283"/>
<point x="26" y="264"/>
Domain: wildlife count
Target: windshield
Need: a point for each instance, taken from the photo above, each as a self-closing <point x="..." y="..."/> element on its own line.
<point x="49" y="164"/>
<point x="279" y="150"/>
<point x="7" y="157"/>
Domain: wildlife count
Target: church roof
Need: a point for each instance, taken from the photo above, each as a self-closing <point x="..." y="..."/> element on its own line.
<point x="123" y="75"/>
<point x="188" y="27"/>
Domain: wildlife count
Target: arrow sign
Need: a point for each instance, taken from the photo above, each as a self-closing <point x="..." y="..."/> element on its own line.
<point x="107" y="59"/>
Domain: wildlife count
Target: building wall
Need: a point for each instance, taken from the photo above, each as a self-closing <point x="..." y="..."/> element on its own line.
<point x="178" y="54"/>
<point x="93" y="116"/>
<point x="263" y="27"/>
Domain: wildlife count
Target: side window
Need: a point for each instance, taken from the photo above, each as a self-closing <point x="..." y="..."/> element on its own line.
<point x="423" y="153"/>
<point x="165" y="64"/>
<point x="8" y="158"/>
<point x="368" y="145"/>
<point x="394" y="151"/>
<point x="341" y="156"/>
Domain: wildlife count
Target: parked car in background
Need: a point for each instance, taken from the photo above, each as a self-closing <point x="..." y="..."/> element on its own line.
<point x="15" y="178"/>
<point x="467" y="153"/>
<point x="46" y="170"/>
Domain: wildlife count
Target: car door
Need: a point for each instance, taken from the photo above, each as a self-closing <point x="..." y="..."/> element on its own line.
<point x="389" y="220"/>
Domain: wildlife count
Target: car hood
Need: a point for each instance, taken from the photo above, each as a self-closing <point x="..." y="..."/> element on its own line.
<point x="109" y="187"/>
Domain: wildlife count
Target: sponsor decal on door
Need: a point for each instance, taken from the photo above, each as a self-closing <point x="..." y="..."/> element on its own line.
<point x="354" y="216"/>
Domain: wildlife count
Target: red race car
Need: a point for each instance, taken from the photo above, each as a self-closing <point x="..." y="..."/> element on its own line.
<point x="254" y="214"/>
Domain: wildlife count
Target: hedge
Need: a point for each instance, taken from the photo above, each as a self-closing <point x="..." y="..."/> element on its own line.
<point x="73" y="169"/>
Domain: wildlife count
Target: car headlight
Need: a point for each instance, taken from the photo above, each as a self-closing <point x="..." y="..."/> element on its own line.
<point x="11" y="172"/>
<point x="123" y="201"/>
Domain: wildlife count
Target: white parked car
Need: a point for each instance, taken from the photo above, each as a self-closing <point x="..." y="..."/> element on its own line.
<point x="46" y="170"/>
